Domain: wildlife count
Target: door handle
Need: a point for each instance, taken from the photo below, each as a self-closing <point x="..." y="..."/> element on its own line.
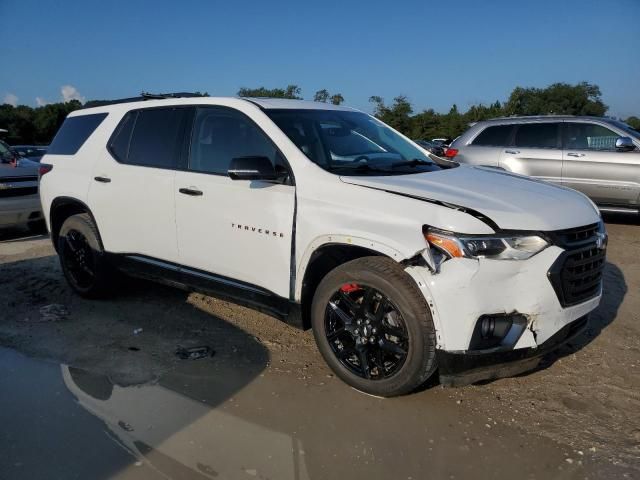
<point x="191" y="191"/>
<point x="102" y="179"/>
<point x="512" y="152"/>
<point x="575" y="154"/>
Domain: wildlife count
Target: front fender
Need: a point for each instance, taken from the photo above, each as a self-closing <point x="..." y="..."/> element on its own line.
<point x="391" y="251"/>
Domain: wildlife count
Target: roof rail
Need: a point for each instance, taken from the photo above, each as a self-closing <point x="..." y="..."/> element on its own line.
<point x="160" y="96"/>
<point x="143" y="96"/>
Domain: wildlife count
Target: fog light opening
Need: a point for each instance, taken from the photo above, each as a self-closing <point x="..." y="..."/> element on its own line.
<point x="497" y="331"/>
<point x="487" y="327"/>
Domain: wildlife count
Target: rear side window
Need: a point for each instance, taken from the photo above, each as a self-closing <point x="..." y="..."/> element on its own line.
<point x="74" y="132"/>
<point x="496" y="136"/>
<point x="151" y="138"/>
<point x="537" y="135"/>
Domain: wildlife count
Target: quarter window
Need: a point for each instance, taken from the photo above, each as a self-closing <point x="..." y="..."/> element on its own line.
<point x="537" y="135"/>
<point x="221" y="134"/>
<point x="119" y="146"/>
<point x="156" y="137"/>
<point x="74" y="132"/>
<point x="589" y="136"/>
<point x="496" y="136"/>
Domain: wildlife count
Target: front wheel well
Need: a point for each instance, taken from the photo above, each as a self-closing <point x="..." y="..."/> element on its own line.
<point x="61" y="209"/>
<point x="322" y="261"/>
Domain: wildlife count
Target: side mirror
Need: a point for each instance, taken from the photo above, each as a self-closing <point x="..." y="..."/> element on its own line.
<point x="624" y="144"/>
<point x="253" y="168"/>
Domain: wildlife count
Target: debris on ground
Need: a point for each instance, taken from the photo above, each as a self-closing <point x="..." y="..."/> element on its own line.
<point x="194" y="353"/>
<point x="137" y="331"/>
<point x="52" y="313"/>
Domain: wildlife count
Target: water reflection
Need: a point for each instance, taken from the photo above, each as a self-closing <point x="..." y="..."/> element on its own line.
<point x="183" y="437"/>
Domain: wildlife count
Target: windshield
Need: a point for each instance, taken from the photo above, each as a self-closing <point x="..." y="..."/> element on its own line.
<point x="351" y="143"/>
<point x="627" y="128"/>
<point x="5" y="152"/>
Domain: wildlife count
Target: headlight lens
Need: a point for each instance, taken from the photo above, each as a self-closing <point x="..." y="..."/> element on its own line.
<point x="507" y="247"/>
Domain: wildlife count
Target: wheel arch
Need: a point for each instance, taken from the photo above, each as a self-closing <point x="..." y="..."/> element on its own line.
<point x="323" y="257"/>
<point x="63" y="208"/>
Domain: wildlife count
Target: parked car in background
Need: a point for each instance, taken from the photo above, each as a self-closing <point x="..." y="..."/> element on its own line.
<point x="443" y="142"/>
<point x="19" y="199"/>
<point x="431" y="147"/>
<point x="32" y="152"/>
<point x="401" y="266"/>
<point x="597" y="156"/>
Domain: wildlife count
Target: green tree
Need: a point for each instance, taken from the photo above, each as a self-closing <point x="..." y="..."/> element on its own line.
<point x="324" y="96"/>
<point x="633" y="122"/>
<point x="337" y="99"/>
<point x="321" y="96"/>
<point x="558" y="98"/>
<point x="28" y="125"/>
<point x="398" y="115"/>
<point x="291" y="91"/>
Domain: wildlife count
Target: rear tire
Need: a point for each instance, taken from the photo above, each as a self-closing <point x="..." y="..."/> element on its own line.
<point x="83" y="259"/>
<point x="386" y="347"/>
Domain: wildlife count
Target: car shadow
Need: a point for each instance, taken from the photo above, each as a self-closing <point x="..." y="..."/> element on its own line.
<point x="19" y="234"/>
<point x="621" y="218"/>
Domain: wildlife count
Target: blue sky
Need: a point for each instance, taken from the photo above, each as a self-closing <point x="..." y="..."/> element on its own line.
<point x="436" y="53"/>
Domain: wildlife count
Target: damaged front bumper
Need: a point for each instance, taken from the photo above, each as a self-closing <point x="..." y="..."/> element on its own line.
<point x="465" y="291"/>
<point x="464" y="368"/>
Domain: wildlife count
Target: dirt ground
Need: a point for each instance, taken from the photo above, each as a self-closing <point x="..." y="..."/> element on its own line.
<point x="582" y="411"/>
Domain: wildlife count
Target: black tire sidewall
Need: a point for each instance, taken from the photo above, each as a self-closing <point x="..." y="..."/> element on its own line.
<point x="413" y="310"/>
<point x="84" y="225"/>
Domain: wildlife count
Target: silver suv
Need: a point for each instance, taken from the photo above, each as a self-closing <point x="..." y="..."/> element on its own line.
<point x="598" y="156"/>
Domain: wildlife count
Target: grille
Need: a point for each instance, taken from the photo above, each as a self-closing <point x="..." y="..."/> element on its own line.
<point x="576" y="275"/>
<point x="17" y="192"/>
<point x="30" y="178"/>
<point x="575" y="237"/>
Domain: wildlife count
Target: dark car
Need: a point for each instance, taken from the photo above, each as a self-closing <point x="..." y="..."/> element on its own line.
<point x="431" y="147"/>
<point x="32" y="152"/>
<point x="19" y="199"/>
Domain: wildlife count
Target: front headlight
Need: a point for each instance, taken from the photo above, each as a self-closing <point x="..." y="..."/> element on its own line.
<point x="498" y="247"/>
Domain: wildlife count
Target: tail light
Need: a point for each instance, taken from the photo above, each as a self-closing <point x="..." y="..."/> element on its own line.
<point x="44" y="169"/>
<point x="451" y="152"/>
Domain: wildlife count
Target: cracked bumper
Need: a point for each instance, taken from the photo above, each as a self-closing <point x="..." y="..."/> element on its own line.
<point x="466" y="289"/>
<point x="463" y="368"/>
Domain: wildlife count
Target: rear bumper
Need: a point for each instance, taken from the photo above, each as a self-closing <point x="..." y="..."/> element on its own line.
<point x="20" y="210"/>
<point x="463" y="368"/>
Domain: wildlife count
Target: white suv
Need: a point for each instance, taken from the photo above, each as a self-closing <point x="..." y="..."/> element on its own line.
<point x="324" y="216"/>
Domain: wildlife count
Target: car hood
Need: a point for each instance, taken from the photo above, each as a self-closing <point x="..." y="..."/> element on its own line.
<point x="513" y="202"/>
<point x="24" y="169"/>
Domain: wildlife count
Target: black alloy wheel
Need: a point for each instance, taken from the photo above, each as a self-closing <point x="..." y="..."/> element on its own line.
<point x="79" y="259"/>
<point x="366" y="332"/>
<point x="84" y="262"/>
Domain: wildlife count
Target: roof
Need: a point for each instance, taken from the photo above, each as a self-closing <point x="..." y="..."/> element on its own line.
<point x="264" y="103"/>
<point x="540" y="118"/>
<point x="286" y="103"/>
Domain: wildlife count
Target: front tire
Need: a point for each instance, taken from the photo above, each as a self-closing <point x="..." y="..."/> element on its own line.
<point x="82" y="257"/>
<point x="374" y="328"/>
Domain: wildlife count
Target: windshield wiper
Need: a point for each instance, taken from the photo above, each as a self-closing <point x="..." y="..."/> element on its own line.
<point x="363" y="167"/>
<point x="415" y="162"/>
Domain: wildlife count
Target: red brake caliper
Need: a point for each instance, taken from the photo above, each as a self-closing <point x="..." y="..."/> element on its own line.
<point x="349" y="287"/>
